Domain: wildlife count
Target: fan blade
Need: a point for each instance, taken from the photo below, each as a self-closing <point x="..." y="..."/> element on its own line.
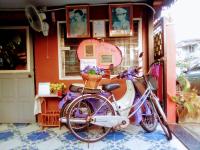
<point x="34" y="18"/>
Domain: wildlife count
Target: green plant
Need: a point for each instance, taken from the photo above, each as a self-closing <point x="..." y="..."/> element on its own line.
<point x="187" y="100"/>
<point x="188" y="103"/>
<point x="183" y="83"/>
<point x="55" y="87"/>
<point x="93" y="70"/>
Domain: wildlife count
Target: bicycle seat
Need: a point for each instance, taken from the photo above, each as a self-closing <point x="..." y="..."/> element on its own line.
<point x="79" y="89"/>
<point x="111" y="86"/>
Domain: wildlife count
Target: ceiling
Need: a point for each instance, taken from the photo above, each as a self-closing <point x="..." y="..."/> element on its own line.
<point x="20" y="4"/>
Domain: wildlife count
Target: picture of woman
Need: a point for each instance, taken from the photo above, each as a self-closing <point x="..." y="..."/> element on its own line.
<point x="78" y="22"/>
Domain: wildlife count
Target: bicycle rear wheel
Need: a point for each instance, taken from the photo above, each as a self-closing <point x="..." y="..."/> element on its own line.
<point x="65" y="111"/>
<point x="80" y="114"/>
<point x="162" y="118"/>
<point x="149" y="121"/>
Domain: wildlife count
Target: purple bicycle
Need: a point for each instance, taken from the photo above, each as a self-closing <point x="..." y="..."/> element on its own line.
<point x="94" y="112"/>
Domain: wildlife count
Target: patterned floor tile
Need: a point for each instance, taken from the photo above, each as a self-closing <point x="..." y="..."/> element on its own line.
<point x="30" y="136"/>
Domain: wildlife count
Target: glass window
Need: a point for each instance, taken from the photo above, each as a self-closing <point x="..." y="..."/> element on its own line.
<point x="69" y="65"/>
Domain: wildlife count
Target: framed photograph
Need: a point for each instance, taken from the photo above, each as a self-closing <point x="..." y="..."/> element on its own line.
<point x="120" y="20"/>
<point x="14" y="49"/>
<point x="99" y="29"/>
<point x="78" y="24"/>
<point x="89" y="51"/>
<point x="106" y="59"/>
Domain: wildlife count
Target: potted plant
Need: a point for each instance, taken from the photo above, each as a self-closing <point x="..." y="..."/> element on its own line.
<point x="57" y="88"/>
<point x="92" y="75"/>
<point x="188" y="102"/>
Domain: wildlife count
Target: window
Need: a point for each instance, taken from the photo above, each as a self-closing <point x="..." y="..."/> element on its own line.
<point x="69" y="65"/>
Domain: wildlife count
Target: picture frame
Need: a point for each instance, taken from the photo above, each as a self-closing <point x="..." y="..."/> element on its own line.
<point x="106" y="59"/>
<point x="77" y="21"/>
<point x="120" y="20"/>
<point x="99" y="29"/>
<point x="14" y="49"/>
<point x="158" y="38"/>
<point x="89" y="51"/>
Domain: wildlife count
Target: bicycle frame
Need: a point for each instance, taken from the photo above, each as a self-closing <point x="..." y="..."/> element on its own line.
<point x="136" y="104"/>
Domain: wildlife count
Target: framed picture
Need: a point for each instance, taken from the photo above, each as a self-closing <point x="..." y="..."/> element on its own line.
<point x="78" y="25"/>
<point x="89" y="51"/>
<point x="99" y="29"/>
<point x="158" y="37"/>
<point x="14" y="49"/>
<point x="106" y="59"/>
<point x="120" y="20"/>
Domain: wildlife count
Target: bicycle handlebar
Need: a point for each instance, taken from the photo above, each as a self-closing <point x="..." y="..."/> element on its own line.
<point x="130" y="73"/>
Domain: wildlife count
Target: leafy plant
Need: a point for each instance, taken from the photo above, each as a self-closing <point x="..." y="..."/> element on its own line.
<point x="183" y="83"/>
<point x="187" y="100"/>
<point x="93" y="70"/>
<point x="55" y="87"/>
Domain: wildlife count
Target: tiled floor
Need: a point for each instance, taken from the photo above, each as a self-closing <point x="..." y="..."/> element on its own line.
<point x="31" y="137"/>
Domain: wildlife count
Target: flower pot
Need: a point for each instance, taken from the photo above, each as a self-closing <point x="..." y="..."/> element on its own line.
<point x="59" y="92"/>
<point x="91" y="81"/>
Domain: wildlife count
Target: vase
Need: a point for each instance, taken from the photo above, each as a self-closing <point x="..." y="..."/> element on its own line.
<point x="91" y="81"/>
<point x="59" y="93"/>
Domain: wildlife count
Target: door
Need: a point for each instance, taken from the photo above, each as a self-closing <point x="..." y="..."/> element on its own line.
<point x="17" y="83"/>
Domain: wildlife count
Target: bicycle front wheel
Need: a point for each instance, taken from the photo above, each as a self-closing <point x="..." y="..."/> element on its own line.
<point x="149" y="120"/>
<point x="80" y="114"/>
<point x="162" y="118"/>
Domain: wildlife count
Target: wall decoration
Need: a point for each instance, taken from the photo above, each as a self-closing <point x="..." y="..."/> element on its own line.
<point x="120" y="20"/>
<point x="158" y="40"/>
<point x="78" y="25"/>
<point x="99" y="29"/>
<point x="104" y="53"/>
<point x="14" y="49"/>
<point x="89" y="50"/>
<point x="106" y="59"/>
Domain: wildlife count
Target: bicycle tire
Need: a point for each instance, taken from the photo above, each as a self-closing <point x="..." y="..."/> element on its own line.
<point x="99" y="132"/>
<point x="165" y="128"/>
<point x="149" y="122"/>
<point x="81" y="127"/>
<point x="162" y="119"/>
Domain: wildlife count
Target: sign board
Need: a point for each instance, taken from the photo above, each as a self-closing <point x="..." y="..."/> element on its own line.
<point x="87" y="62"/>
<point x="44" y="88"/>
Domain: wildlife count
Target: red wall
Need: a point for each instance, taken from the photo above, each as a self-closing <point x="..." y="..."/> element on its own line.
<point x="46" y="57"/>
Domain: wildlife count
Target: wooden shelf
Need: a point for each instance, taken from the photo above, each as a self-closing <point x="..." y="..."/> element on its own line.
<point x="50" y="112"/>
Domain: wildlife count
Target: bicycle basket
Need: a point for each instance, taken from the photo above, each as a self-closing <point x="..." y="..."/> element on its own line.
<point x="91" y="81"/>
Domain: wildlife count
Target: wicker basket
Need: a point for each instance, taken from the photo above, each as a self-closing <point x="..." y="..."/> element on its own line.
<point x="91" y="81"/>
